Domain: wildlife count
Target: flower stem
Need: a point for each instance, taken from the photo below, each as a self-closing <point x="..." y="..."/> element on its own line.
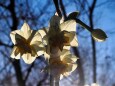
<point x="54" y="81"/>
<point x="83" y="25"/>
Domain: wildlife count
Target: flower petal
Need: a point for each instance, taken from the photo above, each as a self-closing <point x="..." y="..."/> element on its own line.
<point x="67" y="60"/>
<point x="13" y="33"/>
<point x="74" y="58"/>
<point x="43" y="31"/>
<point x="45" y="40"/>
<point x="67" y="47"/>
<point x="71" y="68"/>
<point x="74" y="42"/>
<point x="15" y="53"/>
<point x="64" y="53"/>
<point x="39" y="48"/>
<point x="35" y="37"/>
<point x="66" y="74"/>
<point x="26" y="30"/>
<point x="69" y="25"/>
<point x="74" y="67"/>
<point x="28" y="58"/>
<point x="69" y="36"/>
<point x="70" y="58"/>
<point x="19" y="39"/>
<point x="46" y="56"/>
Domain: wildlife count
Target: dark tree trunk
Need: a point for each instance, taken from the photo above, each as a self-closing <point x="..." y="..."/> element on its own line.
<point x="16" y="63"/>
<point x="18" y="72"/>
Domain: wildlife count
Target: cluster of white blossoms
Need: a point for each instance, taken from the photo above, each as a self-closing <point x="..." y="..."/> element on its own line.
<point x="54" y="42"/>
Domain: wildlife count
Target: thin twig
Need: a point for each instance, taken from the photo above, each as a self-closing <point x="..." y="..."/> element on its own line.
<point x="63" y="9"/>
<point x="57" y="7"/>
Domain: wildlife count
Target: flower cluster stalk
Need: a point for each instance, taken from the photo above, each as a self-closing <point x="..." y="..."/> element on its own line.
<point x="54" y="81"/>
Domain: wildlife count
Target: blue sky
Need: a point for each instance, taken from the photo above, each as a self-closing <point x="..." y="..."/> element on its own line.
<point x="103" y="17"/>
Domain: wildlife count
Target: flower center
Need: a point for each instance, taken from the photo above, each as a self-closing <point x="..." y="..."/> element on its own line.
<point x="23" y="45"/>
<point x="56" y="40"/>
<point x="57" y="66"/>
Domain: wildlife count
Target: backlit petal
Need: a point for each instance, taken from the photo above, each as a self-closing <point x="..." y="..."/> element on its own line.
<point x="74" y="67"/>
<point x="28" y="58"/>
<point x="69" y="36"/>
<point x="45" y="40"/>
<point x="69" y="25"/>
<point x="19" y="39"/>
<point x="67" y="59"/>
<point x="71" y="68"/>
<point x="70" y="58"/>
<point x="74" y="42"/>
<point x="66" y="74"/>
<point x="15" y="53"/>
<point x="26" y="30"/>
<point x="35" y="37"/>
<point x="64" y="53"/>
<point x="13" y="33"/>
<point x="43" y="31"/>
<point x="67" y="47"/>
<point x="39" y="49"/>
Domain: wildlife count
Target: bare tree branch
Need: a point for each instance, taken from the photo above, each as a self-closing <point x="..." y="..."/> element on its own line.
<point x="57" y="7"/>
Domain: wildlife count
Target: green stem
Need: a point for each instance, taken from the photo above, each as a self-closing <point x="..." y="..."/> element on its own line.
<point x="84" y="25"/>
<point x="54" y="81"/>
<point x="51" y="80"/>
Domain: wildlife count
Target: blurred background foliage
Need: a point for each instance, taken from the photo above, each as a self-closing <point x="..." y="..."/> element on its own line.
<point x="97" y="60"/>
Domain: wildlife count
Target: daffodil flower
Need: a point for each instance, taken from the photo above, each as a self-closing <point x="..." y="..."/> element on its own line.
<point x="64" y="65"/>
<point x="27" y="44"/>
<point x="58" y="38"/>
<point x="59" y="34"/>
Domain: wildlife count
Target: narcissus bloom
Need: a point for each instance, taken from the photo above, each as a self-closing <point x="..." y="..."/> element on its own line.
<point x="59" y="34"/>
<point x="27" y="44"/>
<point x="63" y="65"/>
<point x="58" y="38"/>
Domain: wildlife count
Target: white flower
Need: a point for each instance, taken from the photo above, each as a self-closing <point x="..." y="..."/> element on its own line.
<point x="64" y="65"/>
<point x="58" y="38"/>
<point x="27" y="44"/>
<point x="60" y="34"/>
